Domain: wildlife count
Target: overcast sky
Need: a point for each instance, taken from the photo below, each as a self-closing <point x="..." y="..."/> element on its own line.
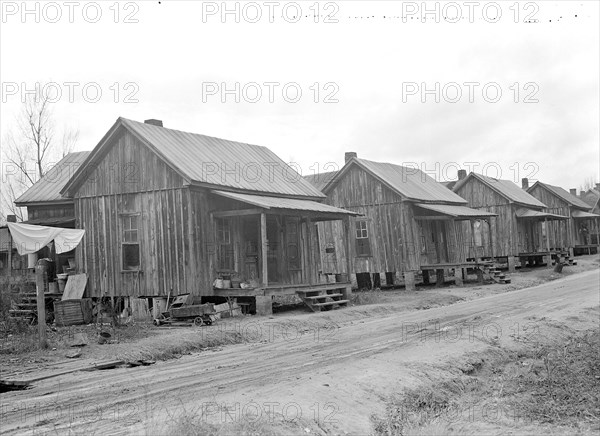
<point x="171" y="60"/>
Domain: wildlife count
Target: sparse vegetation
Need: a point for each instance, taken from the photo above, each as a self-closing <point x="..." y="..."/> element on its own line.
<point x="544" y="383"/>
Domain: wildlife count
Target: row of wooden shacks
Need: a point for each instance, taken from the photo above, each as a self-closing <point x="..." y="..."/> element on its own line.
<point x="167" y="212"/>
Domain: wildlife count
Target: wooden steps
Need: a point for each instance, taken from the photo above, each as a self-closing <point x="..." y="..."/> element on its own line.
<point x="324" y="298"/>
<point x="496" y="274"/>
<point x="26" y="308"/>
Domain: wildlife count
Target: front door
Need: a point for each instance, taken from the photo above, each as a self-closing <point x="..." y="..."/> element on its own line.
<point x="440" y="241"/>
<point x="274" y="249"/>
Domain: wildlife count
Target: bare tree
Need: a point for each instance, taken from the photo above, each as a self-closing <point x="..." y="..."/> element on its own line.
<point x="588" y="183"/>
<point x="30" y="150"/>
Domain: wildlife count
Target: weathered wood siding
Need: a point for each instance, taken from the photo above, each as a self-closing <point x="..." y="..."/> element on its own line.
<point x="37" y="212"/>
<point x="130" y="179"/>
<point x="504" y="227"/>
<point x="563" y="234"/>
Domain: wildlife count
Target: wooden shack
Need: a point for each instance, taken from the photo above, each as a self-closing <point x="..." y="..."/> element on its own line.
<point x="575" y="233"/>
<point x="407" y="223"/>
<point x="168" y="212"/>
<point x="592" y="198"/>
<point x="517" y="233"/>
<point x="47" y="207"/>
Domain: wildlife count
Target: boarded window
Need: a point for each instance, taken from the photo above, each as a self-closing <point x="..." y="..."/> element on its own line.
<point x="225" y="254"/>
<point x="130" y="243"/>
<point x="292" y="244"/>
<point x="363" y="245"/>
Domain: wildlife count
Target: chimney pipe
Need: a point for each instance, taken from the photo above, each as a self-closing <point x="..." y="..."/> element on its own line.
<point x="154" y="122"/>
<point x="525" y="183"/>
<point x="462" y="174"/>
<point x="573" y="191"/>
<point x="349" y="155"/>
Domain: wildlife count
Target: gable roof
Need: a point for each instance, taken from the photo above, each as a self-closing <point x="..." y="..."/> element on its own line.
<point x="506" y="188"/>
<point x="562" y="194"/>
<point x="411" y="183"/>
<point x="47" y="189"/>
<point x="320" y="180"/>
<point x="208" y="161"/>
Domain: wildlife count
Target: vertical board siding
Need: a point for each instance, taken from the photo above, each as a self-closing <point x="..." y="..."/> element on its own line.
<point x="564" y="234"/>
<point x="504" y="226"/>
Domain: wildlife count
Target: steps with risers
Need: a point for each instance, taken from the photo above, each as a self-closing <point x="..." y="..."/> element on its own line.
<point x="496" y="274"/>
<point x="324" y="298"/>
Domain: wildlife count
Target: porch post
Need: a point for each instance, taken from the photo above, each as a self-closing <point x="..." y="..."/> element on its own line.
<point x="547" y="234"/>
<point x="492" y="239"/>
<point x="10" y="244"/>
<point x="348" y="246"/>
<point x="309" y="257"/>
<point x="264" y="248"/>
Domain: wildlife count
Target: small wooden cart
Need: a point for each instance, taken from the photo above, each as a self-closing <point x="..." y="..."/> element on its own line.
<point x="183" y="312"/>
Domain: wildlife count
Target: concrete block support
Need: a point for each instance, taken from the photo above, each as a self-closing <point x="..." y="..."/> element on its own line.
<point x="264" y="305"/>
<point x="512" y="261"/>
<point x="409" y="281"/>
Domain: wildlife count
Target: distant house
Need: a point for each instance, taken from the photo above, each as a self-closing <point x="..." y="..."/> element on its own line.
<point x="592" y="197"/>
<point x="573" y="234"/>
<point x="44" y="202"/>
<point x="46" y="206"/>
<point x="168" y="212"/>
<point x="407" y="222"/>
<point x="517" y="234"/>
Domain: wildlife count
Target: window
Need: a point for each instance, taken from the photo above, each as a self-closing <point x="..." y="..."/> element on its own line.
<point x="130" y="243"/>
<point x="292" y="244"/>
<point x="225" y="258"/>
<point x="363" y="247"/>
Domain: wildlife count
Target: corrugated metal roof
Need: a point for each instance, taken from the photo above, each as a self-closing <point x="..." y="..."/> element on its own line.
<point x="283" y="203"/>
<point x="408" y="182"/>
<point x="582" y="214"/>
<point x="565" y="195"/>
<point x="221" y="162"/>
<point x="456" y="211"/>
<point x="320" y="180"/>
<point x="505" y="188"/>
<point x="48" y="188"/>
<point x="523" y="212"/>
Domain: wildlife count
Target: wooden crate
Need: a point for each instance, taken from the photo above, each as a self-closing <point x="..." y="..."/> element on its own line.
<point x="73" y="312"/>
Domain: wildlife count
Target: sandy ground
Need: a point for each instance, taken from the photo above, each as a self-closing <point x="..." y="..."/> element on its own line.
<point x="325" y="373"/>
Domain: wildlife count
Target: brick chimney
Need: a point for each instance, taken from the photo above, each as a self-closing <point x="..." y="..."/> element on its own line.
<point x="11" y="218"/>
<point x="598" y="186"/>
<point x="349" y="155"/>
<point x="581" y="193"/>
<point x="154" y="122"/>
<point x="462" y="174"/>
<point x="525" y="183"/>
<point x="573" y="191"/>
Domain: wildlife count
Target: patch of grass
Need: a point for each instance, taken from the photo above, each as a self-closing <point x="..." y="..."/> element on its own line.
<point x="556" y="384"/>
<point x="362" y="297"/>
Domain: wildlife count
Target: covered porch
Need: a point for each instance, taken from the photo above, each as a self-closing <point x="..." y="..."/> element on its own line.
<point x="452" y="241"/>
<point x="588" y="229"/>
<point x="539" y="242"/>
<point x="268" y="246"/>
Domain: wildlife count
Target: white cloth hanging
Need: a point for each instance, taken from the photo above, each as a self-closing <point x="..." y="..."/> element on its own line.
<point x="30" y="238"/>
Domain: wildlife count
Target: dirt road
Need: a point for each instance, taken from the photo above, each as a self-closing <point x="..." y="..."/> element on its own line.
<point x="325" y="380"/>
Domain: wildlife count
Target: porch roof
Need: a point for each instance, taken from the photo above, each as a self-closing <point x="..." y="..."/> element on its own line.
<point x="525" y="213"/>
<point x="265" y="202"/>
<point x="456" y="212"/>
<point x="584" y="215"/>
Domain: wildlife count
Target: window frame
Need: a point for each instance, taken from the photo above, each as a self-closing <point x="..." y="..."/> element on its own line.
<point x="125" y="231"/>
<point x="362" y="238"/>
